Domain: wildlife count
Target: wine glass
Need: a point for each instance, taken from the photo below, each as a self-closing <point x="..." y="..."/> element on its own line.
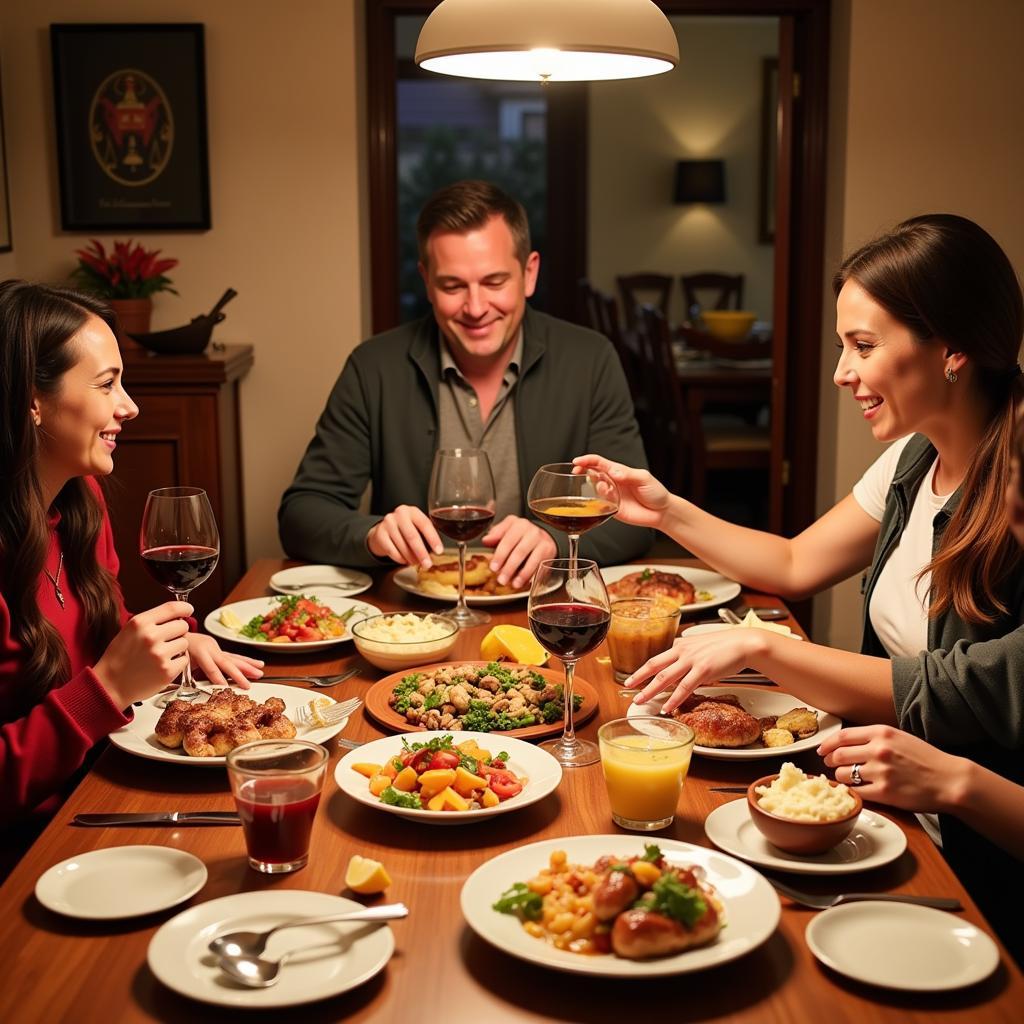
<point x="569" y="614"/>
<point x="572" y="501"/>
<point x="461" y="506"/>
<point x="180" y="545"/>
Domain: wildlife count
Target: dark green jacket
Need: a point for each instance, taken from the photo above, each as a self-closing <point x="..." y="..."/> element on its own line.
<point x="964" y="694"/>
<point x="380" y="427"/>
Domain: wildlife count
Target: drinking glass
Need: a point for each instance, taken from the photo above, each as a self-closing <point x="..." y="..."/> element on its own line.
<point x="276" y="785"/>
<point x="461" y="507"/>
<point x="573" y="502"/>
<point x="569" y="614"/>
<point x="645" y="761"/>
<point x="180" y="545"/>
<point x="641" y="627"/>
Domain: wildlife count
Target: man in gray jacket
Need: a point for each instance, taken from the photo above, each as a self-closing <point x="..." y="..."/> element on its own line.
<point x="484" y="371"/>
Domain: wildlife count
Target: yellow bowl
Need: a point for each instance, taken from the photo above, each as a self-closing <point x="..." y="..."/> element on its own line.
<point x="728" y="324"/>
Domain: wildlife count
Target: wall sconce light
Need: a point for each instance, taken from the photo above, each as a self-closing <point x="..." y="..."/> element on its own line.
<point x="700" y="181"/>
<point x="547" y="40"/>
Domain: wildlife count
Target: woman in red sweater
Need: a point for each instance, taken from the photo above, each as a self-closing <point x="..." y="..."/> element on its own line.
<point x="72" y="659"/>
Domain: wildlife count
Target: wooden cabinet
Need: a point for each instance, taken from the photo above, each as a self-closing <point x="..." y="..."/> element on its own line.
<point x="186" y="434"/>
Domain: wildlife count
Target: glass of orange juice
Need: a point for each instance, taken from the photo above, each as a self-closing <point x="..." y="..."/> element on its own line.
<point x="645" y="761"/>
<point x="641" y="627"/>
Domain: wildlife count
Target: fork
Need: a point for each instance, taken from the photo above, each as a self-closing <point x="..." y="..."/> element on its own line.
<point x="294" y="588"/>
<point x="332" y="714"/>
<point x="818" y="902"/>
<point x="338" y="677"/>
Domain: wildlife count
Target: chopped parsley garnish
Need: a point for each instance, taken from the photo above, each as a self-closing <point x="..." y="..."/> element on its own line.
<point x="396" y="798"/>
<point x="652" y="853"/>
<point x="675" y="899"/>
<point x="522" y="901"/>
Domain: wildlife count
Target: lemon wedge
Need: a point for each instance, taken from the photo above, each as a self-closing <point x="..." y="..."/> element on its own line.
<point x="230" y="620"/>
<point x="366" y="876"/>
<point x="513" y="642"/>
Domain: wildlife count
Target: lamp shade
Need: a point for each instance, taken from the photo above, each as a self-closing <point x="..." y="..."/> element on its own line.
<point x="700" y="181"/>
<point x="547" y="40"/>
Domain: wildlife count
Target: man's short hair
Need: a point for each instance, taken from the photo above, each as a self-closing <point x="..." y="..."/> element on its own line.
<point x="467" y="206"/>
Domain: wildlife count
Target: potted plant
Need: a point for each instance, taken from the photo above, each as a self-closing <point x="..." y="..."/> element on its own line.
<point x="127" y="278"/>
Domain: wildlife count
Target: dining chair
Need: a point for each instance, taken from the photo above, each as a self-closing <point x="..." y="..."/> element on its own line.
<point x="635" y="289"/>
<point x="723" y="291"/>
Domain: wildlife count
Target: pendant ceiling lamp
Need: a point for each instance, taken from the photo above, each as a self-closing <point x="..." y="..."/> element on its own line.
<point x="547" y="40"/>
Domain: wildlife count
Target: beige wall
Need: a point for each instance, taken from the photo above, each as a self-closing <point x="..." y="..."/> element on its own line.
<point x="925" y="117"/>
<point x="284" y="171"/>
<point x="708" y="107"/>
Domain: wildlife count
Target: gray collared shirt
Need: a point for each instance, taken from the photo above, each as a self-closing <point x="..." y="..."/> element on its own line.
<point x="460" y="425"/>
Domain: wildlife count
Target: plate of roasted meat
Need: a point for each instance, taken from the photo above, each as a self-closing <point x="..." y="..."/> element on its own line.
<point x="694" y="589"/>
<point x="746" y="722"/>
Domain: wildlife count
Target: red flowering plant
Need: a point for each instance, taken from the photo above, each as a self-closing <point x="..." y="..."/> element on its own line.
<point x="126" y="272"/>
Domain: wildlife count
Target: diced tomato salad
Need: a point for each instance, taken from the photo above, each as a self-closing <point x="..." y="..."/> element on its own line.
<point x="296" y="619"/>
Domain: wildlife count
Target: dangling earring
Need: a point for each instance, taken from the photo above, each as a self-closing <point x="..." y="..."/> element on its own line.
<point x="950" y="375"/>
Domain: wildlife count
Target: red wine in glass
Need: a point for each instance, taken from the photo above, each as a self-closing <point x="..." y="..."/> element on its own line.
<point x="569" y="630"/>
<point x="180" y="568"/>
<point x="462" y="523"/>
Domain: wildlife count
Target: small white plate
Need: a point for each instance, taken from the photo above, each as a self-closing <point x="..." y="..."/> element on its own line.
<point x="339" y="957"/>
<point x="721" y="627"/>
<point x="751" y="906"/>
<point x="124" y="881"/>
<point x="139" y="735"/>
<point x="719" y="587"/>
<point x="900" y="945"/>
<point x="408" y="580"/>
<point x="759" y="702"/>
<point x="874" y="841"/>
<point x="541" y="771"/>
<point x="246" y="610"/>
<point x="304" y="575"/>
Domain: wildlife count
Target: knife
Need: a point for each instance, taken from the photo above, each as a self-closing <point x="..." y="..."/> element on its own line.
<point x="161" y="818"/>
<point x="727" y="789"/>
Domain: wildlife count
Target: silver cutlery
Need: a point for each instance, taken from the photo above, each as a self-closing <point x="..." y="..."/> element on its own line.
<point x="242" y="943"/>
<point x="347" y="743"/>
<point x="160" y="818"/>
<point x="295" y="588"/>
<point x="318" y="681"/>
<point x="767" y="614"/>
<point x="330" y="715"/>
<point x="818" y="902"/>
<point x="727" y="789"/>
<point x="729" y="616"/>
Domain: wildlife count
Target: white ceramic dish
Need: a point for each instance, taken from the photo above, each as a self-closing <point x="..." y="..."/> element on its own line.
<point x="124" y="881"/>
<point x="246" y="610"/>
<point x="902" y="946"/>
<point x="542" y="772"/>
<point x="304" y="575"/>
<point x="407" y="579"/>
<point x="138" y="736"/>
<point x="721" y="627"/>
<point x="719" y="587"/>
<point x="339" y="957"/>
<point x="751" y="906"/>
<point x="759" y="702"/>
<point x="874" y="841"/>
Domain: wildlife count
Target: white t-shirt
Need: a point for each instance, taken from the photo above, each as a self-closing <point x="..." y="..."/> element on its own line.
<point x="899" y="602"/>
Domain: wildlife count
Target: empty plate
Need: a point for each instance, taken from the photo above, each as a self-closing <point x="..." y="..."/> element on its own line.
<point x="124" y="881"/>
<point x="309" y="576"/>
<point x="899" y="945"/>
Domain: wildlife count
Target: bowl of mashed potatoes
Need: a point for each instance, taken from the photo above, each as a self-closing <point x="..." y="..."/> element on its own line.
<point x="399" y="640"/>
<point x="802" y="814"/>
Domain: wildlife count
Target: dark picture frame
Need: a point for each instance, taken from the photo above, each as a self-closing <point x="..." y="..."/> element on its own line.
<point x="769" y="150"/>
<point x="130" y="104"/>
<point x="6" y="241"/>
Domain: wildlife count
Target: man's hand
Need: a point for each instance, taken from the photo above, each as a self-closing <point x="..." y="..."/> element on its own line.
<point x="405" y="536"/>
<point x="519" y="547"/>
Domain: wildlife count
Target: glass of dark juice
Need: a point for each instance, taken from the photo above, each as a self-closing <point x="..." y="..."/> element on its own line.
<point x="180" y="545"/>
<point x="569" y="615"/>
<point x="276" y="785"/>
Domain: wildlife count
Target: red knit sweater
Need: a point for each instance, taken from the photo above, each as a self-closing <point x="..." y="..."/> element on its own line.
<point x="40" y="750"/>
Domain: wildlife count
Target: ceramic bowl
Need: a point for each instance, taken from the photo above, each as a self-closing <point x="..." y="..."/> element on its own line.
<point x="728" y="324"/>
<point x="800" y="837"/>
<point x="395" y="655"/>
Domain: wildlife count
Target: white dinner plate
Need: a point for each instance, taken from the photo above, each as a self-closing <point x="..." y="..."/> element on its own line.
<point x="751" y="906"/>
<point x="124" y="881"/>
<point x="335" y="957"/>
<point x="246" y="610"/>
<point x="541" y="771"/>
<point x="139" y="736"/>
<point x="874" y="841"/>
<point x="719" y="587"/>
<point x="901" y="945"/>
<point x="305" y="575"/>
<point x="759" y="702"/>
<point x="721" y="627"/>
<point x="408" y="580"/>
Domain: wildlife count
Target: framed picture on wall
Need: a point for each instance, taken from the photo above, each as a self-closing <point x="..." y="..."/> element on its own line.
<point x="769" y="149"/>
<point x="131" y="126"/>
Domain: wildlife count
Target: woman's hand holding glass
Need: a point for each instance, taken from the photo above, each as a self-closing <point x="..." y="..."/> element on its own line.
<point x="643" y="499"/>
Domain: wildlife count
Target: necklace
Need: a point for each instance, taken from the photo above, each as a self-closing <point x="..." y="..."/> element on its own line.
<point x="55" y="580"/>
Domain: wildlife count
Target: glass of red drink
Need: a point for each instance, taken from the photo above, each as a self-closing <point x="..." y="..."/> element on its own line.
<point x="276" y="785"/>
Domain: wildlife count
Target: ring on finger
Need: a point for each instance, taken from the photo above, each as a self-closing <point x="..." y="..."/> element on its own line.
<point x="855" y="777"/>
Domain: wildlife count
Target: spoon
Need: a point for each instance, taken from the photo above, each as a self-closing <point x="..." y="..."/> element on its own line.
<point x="253" y="971"/>
<point x="249" y="945"/>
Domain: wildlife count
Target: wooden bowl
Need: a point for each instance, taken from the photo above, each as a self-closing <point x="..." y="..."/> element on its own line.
<point x="801" y="837"/>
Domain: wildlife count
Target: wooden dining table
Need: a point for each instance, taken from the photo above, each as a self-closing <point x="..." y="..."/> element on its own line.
<point x="56" y="968"/>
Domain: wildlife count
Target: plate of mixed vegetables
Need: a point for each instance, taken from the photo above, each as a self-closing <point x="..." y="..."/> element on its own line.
<point x="296" y="622"/>
<point x="445" y="778"/>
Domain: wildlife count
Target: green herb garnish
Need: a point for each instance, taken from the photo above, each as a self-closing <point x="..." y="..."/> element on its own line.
<point x="522" y="901"/>
<point x="396" y="798"/>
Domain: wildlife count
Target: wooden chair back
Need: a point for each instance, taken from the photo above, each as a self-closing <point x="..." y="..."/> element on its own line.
<point x="634" y="287"/>
<point x="723" y="291"/>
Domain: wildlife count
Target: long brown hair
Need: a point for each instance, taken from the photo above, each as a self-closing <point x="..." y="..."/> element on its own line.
<point x="948" y="282"/>
<point x="37" y="324"/>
